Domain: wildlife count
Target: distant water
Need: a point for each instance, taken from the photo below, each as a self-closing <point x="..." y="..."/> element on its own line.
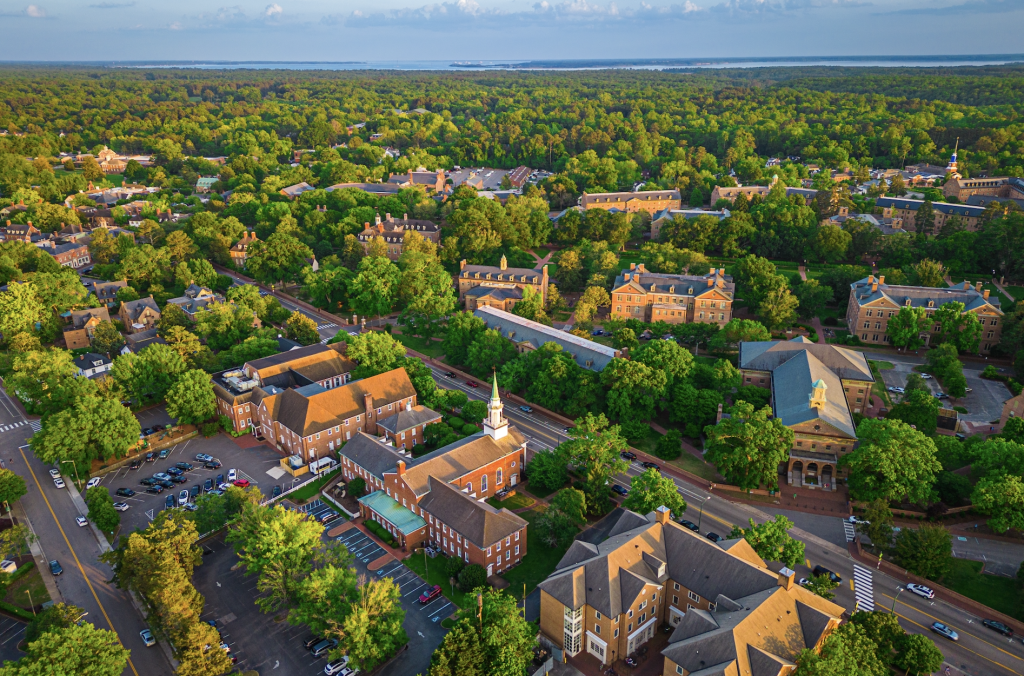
<point x="590" y="64"/>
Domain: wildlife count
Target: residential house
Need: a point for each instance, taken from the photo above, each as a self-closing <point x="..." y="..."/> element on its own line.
<point x="675" y="299"/>
<point x="19" y="232"/>
<point x="651" y="201"/>
<point x="501" y="287"/>
<point x="106" y="292"/>
<point x="529" y="335"/>
<point x="137" y="342"/>
<point x="439" y="497"/>
<point x="205" y="184"/>
<point x="732" y="615"/>
<point x="815" y="391"/>
<point x="873" y="303"/>
<point x="906" y="209"/>
<point x="431" y="180"/>
<point x="81" y="326"/>
<point x="393" y="232"/>
<point x="110" y="162"/>
<point x="74" y="255"/>
<point x="293" y="191"/>
<point x="139" y="315"/>
<point x="196" y="298"/>
<point x="92" y="365"/>
<point x="324" y="365"/>
<point x="662" y="217"/>
<point x="405" y="428"/>
<point x="240" y="250"/>
<point x="519" y="176"/>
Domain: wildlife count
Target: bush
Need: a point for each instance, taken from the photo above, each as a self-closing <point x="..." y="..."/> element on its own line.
<point x="830" y="321"/>
<point x="455" y="422"/>
<point x="669" y="446"/>
<point x="635" y="431"/>
<point x="379" y="531"/>
<point x="209" y="429"/>
<point x="453" y="565"/>
<point x="471" y="577"/>
<point x="357" y="487"/>
<point x="468" y="429"/>
<point x="991" y="372"/>
<point x="419" y="449"/>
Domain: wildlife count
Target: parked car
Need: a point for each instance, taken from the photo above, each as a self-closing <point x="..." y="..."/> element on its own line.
<point x="58" y="482"/>
<point x="686" y="523"/>
<point x="327" y="517"/>
<point x="208" y="485"/>
<point x="195" y="491"/>
<point x="651" y="465"/>
<point x="165" y="484"/>
<point x="472" y="383"/>
<point x="323" y="647"/>
<point x="277" y="490"/>
<point x="148" y="481"/>
<point x="8" y="566"/>
<point x="242" y="483"/>
<point x="714" y="537"/>
<point x="147" y="638"/>
<point x="943" y="630"/>
<point x="55" y="568"/>
<point x="164" y="453"/>
<point x="170" y="503"/>
<point x="162" y="476"/>
<point x="156" y="490"/>
<point x="150" y="457"/>
<point x="124" y="492"/>
<point x="627" y="455"/>
<point x="146" y="432"/>
<point x="232" y="475"/>
<point x="219" y="480"/>
<point x="311" y="641"/>
<point x="54" y="473"/>
<point x="925" y="376"/>
<point x="998" y="626"/>
<point x="822" y="570"/>
<point x="203" y="457"/>
<point x="186" y="466"/>
<point x="921" y="590"/>
<point x="597" y="332"/>
<point x="159" y="428"/>
<point x="941" y="395"/>
<point x="174" y="471"/>
<point x="180" y="479"/>
<point x="135" y="464"/>
<point x="81" y="521"/>
<point x="430" y="594"/>
<point x="191" y="507"/>
<point x="336" y="667"/>
<point x="213" y="464"/>
<point x="619" y="490"/>
<point x="182" y="497"/>
<point x="121" y="506"/>
<point x="526" y="409"/>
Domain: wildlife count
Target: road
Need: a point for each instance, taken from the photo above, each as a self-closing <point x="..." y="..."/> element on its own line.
<point x="979" y="652"/>
<point x="324" y="326"/>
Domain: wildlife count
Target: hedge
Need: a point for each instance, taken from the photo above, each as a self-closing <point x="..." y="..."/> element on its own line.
<point x="379" y="531"/>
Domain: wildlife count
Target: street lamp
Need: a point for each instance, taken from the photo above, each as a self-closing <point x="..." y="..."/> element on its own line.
<point x="77" y="480"/>
<point x="899" y="590"/>
<point x="701" y="514"/>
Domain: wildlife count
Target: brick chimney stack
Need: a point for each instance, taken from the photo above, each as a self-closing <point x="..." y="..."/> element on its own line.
<point x="371" y="424"/>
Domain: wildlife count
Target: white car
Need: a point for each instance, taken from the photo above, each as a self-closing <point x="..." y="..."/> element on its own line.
<point x="54" y="474"/>
<point x="925" y="376"/>
<point x="121" y="506"/>
<point x="921" y="590"/>
<point x="80" y="520"/>
<point x="336" y="667"/>
<point x="58" y="482"/>
<point x="95" y="481"/>
<point x="858" y="520"/>
<point x="232" y="475"/>
<point x="182" y="498"/>
<point x="203" y="457"/>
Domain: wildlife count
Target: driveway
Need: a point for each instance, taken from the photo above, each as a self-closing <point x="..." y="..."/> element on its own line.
<point x="984" y="403"/>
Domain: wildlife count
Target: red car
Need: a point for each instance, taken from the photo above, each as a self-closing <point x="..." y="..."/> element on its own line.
<point x="430" y="594"/>
<point x="242" y="483"/>
<point x="472" y="384"/>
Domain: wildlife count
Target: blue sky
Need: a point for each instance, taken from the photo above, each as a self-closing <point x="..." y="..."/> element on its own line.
<point x="375" y="30"/>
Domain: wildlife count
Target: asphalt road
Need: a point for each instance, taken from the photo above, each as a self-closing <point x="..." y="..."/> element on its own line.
<point x="324" y="326"/>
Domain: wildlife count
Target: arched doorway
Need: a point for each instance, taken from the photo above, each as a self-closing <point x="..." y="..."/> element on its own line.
<point x="796" y="475"/>
<point x="827" y="480"/>
<point x="811" y="475"/>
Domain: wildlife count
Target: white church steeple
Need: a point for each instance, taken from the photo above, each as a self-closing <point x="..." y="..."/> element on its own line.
<point x="495" y="425"/>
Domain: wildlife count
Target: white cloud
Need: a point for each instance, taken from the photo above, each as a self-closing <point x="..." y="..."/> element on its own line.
<point x="541" y="13"/>
<point x="271" y="10"/>
<point x="175" y="26"/>
<point x="35" y="11"/>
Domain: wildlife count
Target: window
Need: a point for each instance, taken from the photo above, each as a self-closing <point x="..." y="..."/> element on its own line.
<point x="675" y="600"/>
<point x="643" y="605"/>
<point x="497" y="478"/>
<point x="483" y="482"/>
<point x="630" y="615"/>
<point x="469" y="486"/>
<point x="517" y="536"/>
<point x="508" y="541"/>
<point x="615" y="634"/>
<point x="598" y="616"/>
<point x="630" y="627"/>
<point x="517" y="550"/>
<point x="693" y="597"/>
<point x="597" y="628"/>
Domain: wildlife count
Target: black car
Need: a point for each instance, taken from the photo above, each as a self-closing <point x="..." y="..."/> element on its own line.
<point x="627" y="455"/>
<point x="169" y="502"/>
<point x="620" y="490"/>
<point x="450" y="374"/>
<point x="311" y="641"/>
<point x="651" y="465"/>
<point x="179" y="479"/>
<point x="148" y="481"/>
<point x="998" y="626"/>
<point x="165" y="484"/>
<point x="714" y="537"/>
<point x="124" y="492"/>
<point x="208" y="485"/>
<point x="156" y="490"/>
<point x="220" y="479"/>
<point x="174" y="471"/>
<point x="277" y="490"/>
<point x="213" y="464"/>
<point x="150" y="457"/>
<point x="822" y="570"/>
<point x="147" y="431"/>
<point x="135" y="464"/>
<point x="183" y="466"/>
<point x="686" y="523"/>
<point x="55" y="568"/>
<point x="194" y="491"/>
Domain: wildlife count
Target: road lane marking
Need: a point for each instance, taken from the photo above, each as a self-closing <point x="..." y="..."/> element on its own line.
<point x="81" y="568"/>
<point x="960" y="644"/>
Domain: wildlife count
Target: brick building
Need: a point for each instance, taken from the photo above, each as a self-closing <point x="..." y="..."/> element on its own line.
<point x="325" y="365"/>
<point x="815" y="390"/>
<point x="19" y="232"/>
<point x="405" y="428"/>
<point x="240" y="250"/>
<point x="106" y="292"/>
<point x="906" y="211"/>
<point x="500" y="287"/>
<point x="873" y="303"/>
<point x="73" y="255"/>
<point x="732" y="615"/>
<point x="439" y="497"/>
<point x="632" y="202"/>
<point x="139" y="315"/>
<point x="81" y="326"/>
<point x="528" y="335"/>
<point x="1011" y="187"/>
<point x="393" y="232"/>
<point x="431" y="180"/>
<point x="676" y="299"/>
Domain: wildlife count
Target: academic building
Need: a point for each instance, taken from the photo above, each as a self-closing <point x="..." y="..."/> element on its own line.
<point x="675" y="299"/>
<point x="873" y="303"/>
<point x="631" y="202"/>
<point x="731" y="614"/>
<point x="500" y="287"/>
<point x="906" y="211"/>
<point x="393" y="232"/>
<point x="1009" y="187"/>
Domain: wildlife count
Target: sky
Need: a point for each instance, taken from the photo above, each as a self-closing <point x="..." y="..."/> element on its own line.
<point x="378" y="30"/>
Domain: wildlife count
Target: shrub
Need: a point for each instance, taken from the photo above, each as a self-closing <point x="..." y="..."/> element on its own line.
<point x="419" y="449"/>
<point x="468" y="429"/>
<point x="471" y="577"/>
<point x="453" y="565"/>
<point x="830" y="321"/>
<point x="379" y="531"/>
<point x="990" y="372"/>
<point x="635" y="431"/>
<point x="209" y="429"/>
<point x="357" y="487"/>
<point x="669" y="447"/>
<point x="456" y="422"/>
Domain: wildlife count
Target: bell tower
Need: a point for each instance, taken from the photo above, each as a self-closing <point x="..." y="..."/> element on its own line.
<point x="951" y="168"/>
<point x="496" y="425"/>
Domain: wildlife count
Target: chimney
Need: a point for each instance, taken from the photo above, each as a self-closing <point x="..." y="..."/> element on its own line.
<point x="462" y="264"/>
<point x="874" y="287"/>
<point x="871" y="279"/>
<point x="640" y="267"/>
<point x="368" y="407"/>
<point x="405" y="217"/>
<point x="401" y="467"/>
<point x="881" y="279"/>
<point x="984" y="294"/>
<point x="662" y="514"/>
<point x="625" y="276"/>
<point x="376" y="219"/>
<point x="712" y="271"/>
<point x="967" y="285"/>
<point x="387" y="217"/>
<point x="977" y="287"/>
<point x="786" y="578"/>
<point x="711" y="282"/>
<point x="504" y="262"/>
<point x="632" y="266"/>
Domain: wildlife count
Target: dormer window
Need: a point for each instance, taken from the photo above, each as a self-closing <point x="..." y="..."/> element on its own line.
<point x="931" y="303"/>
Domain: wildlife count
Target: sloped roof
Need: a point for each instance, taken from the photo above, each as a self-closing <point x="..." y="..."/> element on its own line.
<point x="495" y="293"/>
<point x="864" y="292"/>
<point x="314" y="360"/>
<point x="135" y="308"/>
<point x="768" y="355"/>
<point x="80" y="318"/>
<point x="657" y="282"/>
<point x="372" y="455"/>
<point x="400" y="517"/>
<point x="792" y="384"/>
<point x="475" y="520"/>
<point x="460" y="458"/>
<point x="407" y="418"/>
<point x="623" y="197"/>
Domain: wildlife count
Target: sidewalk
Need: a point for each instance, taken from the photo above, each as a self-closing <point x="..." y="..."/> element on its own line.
<point x="18" y="512"/>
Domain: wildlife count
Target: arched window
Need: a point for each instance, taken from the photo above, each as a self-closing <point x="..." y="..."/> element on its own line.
<point x="483" y="483"/>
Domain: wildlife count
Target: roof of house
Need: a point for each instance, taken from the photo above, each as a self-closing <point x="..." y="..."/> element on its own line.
<point x="792" y="384"/>
<point x="943" y="207"/>
<point x="80" y="318"/>
<point x="135" y="308"/>
<point x="400" y="517"/>
<point x="89" y="360"/>
<point x="372" y="455"/>
<point x="459" y="458"/>
<point x="984" y="200"/>
<point x="686" y="285"/>
<point x="297" y="189"/>
<point x="475" y="520"/>
<point x="315" y="362"/>
<point x="770" y="354"/>
<point x="623" y="197"/>
<point x="498" y="273"/>
<point x="136" y="342"/>
<point x="865" y="291"/>
<point x="407" y="418"/>
<point x="690" y="213"/>
<point x="519" y="329"/>
<point x="495" y="293"/>
<point x="206" y="181"/>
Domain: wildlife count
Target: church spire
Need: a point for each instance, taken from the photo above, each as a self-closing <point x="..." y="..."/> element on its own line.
<point x="496" y="425"/>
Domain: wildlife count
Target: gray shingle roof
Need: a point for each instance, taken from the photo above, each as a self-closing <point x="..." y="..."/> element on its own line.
<point x="770" y="354"/>
<point x="942" y="207"/>
<point x="581" y="349"/>
<point x="370" y="454"/>
<point x="920" y="296"/>
<point x="792" y="383"/>
<point x="408" y="418"/>
<point x="478" y="522"/>
<point x="494" y="293"/>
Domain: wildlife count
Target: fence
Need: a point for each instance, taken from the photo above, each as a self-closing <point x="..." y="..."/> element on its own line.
<point x="316" y="477"/>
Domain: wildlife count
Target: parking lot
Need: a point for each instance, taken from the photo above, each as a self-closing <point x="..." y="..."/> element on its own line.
<point x="11" y="633"/>
<point x="261" y="466"/>
<point x="984" y="402"/>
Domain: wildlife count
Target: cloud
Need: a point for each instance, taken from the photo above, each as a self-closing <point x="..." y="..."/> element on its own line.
<point x="770" y="7"/>
<point x="974" y="7"/>
<point x="271" y="10"/>
<point x="112" y="5"/>
<point x="174" y="26"/>
<point x="35" y="11"/>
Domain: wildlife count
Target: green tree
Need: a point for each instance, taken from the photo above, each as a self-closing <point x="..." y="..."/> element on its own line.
<point x="821" y="585"/>
<point x="375" y="352"/>
<point x="425" y="290"/>
<point x="926" y="551"/>
<point x="666" y="356"/>
<point x="184" y="343"/>
<point x="101" y="509"/>
<point x="474" y="411"/>
<point x="924" y="218"/>
<point x="547" y="471"/>
<point x="593" y="448"/>
<point x="20" y="309"/>
<point x="918" y="654"/>
<point x="531" y="306"/>
<point x="812" y="297"/>
<point x="372" y="632"/>
<point x="633" y="390"/>
<point x="106" y="339"/>
<point x="883" y="628"/>
<point x="325" y="597"/>
<point x="625" y="339"/>
<point x="892" y="462"/>
<point x="928" y="273"/>
<point x="879" y="523"/>
<point x="12" y="487"/>
<point x="651" y="490"/>
<point x="56" y="617"/>
<point x="489" y="351"/>
<point x="191" y="400"/>
<point x="374" y="290"/>
<point x="777" y="305"/>
<point x="669" y="445"/>
<point x="772" y="541"/>
<point x="918" y="408"/>
<point x="905" y="328"/>
<point x="738" y="331"/>
<point x="302" y="329"/>
<point x="846" y="652"/>
<point x="1001" y="498"/>
<point x="76" y="649"/>
<point x="148" y="375"/>
<point x="748" y="447"/>
<point x="572" y="503"/>
<point x="172" y="316"/>
<point x="460" y="653"/>
<point x="463" y="329"/>
<point x="45" y="381"/>
<point x="471" y="577"/>
<point x="92" y="429"/>
<point x="277" y="259"/>
<point x="506" y="637"/>
<point x="694" y="408"/>
<point x="831" y="243"/>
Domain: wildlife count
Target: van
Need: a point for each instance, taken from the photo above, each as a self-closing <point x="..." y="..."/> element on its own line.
<point x="323" y="647"/>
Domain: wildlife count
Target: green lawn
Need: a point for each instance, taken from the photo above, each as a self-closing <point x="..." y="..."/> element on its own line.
<point x="309" y="490"/>
<point x="539" y="562"/>
<point x="879" y="387"/>
<point x="517" y="501"/>
<point x="1016" y="291"/>
<point x="539" y="492"/>
<point x="648" y="443"/>
<point x="430" y="348"/>
<point x="994" y="291"/>
<point x="883" y="365"/>
<point x="29" y="581"/>
<point x="1000" y="593"/>
<point x="687" y="461"/>
<point x="433" y="572"/>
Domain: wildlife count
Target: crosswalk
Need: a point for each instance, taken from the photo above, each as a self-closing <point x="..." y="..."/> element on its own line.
<point x="34" y="425"/>
<point x="325" y="326"/>
<point x="851" y="532"/>
<point x="862" y="588"/>
<point x="324" y="341"/>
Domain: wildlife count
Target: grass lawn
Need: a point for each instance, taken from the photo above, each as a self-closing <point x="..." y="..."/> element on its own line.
<point x="433" y="572"/>
<point x="883" y="365"/>
<point x="430" y="348"/>
<point x="561" y="316"/>
<point x="30" y="581"/>
<point x="517" y="501"/>
<point x="310" y="489"/>
<point x="687" y="461"/>
<point x="1000" y="593"/>
<point x="538" y="492"/>
<point x="1016" y="291"/>
<point x="539" y="562"/>
<point x="879" y="387"/>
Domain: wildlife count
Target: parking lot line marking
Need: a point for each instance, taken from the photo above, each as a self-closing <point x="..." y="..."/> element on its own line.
<point x="437" y="614"/>
<point x="74" y="555"/>
<point x="415" y="589"/>
<point x="383" y="573"/>
<point x="439" y="598"/>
